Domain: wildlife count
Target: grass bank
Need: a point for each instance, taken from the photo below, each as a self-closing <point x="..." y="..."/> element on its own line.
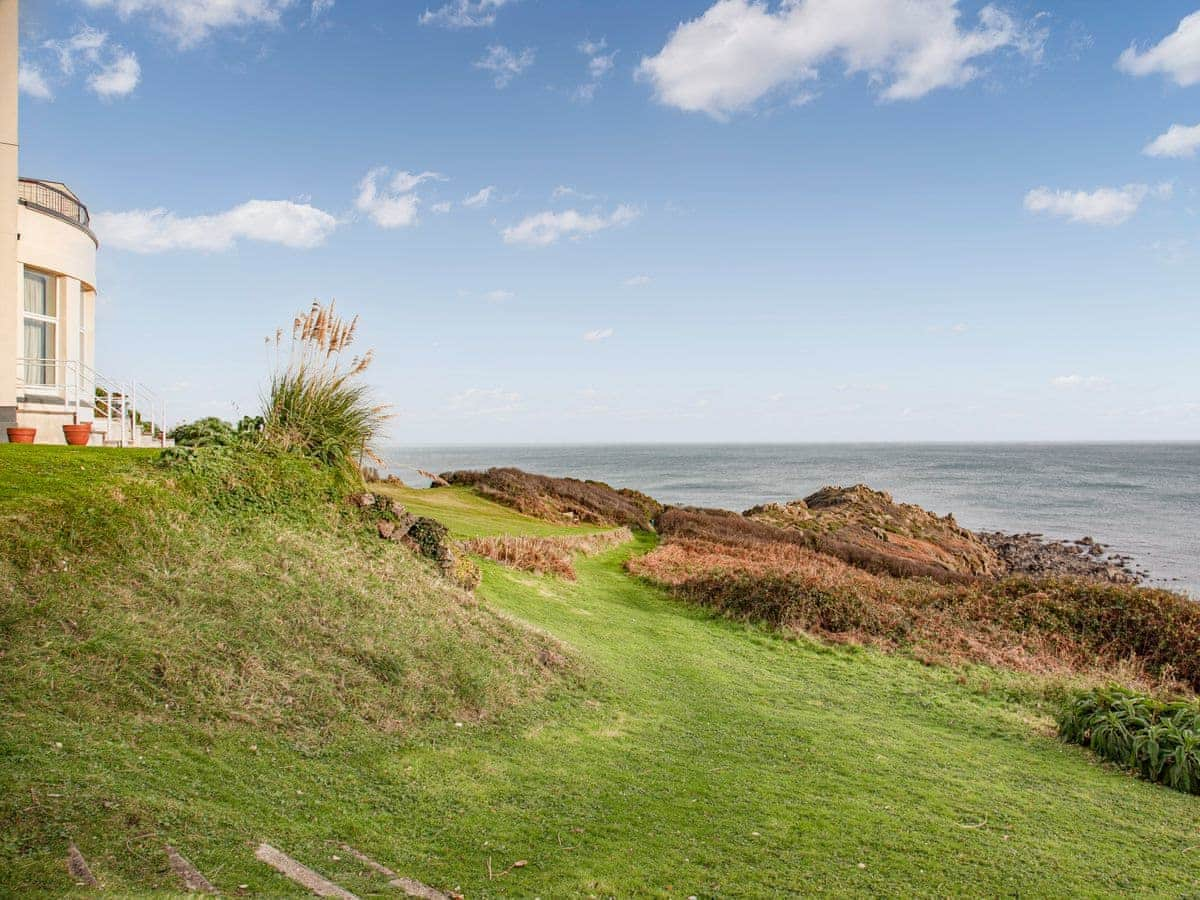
<point x="678" y="755"/>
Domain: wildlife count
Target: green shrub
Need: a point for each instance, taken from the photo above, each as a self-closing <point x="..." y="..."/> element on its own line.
<point x="1158" y="739"/>
<point x="207" y="432"/>
<point x="316" y="406"/>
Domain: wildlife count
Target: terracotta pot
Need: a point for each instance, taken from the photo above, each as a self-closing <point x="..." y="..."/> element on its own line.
<point x="78" y="435"/>
<point x="21" y="435"/>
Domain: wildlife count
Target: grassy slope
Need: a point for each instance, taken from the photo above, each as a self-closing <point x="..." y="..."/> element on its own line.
<point x="702" y="757"/>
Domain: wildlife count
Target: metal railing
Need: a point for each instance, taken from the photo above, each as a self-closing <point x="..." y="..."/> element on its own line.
<point x="129" y="409"/>
<point x="54" y="200"/>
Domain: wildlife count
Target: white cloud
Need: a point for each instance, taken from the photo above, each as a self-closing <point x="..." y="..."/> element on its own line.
<point x="1103" y="206"/>
<point x="112" y="70"/>
<point x="320" y="8"/>
<point x="118" y="78"/>
<point x="1080" y="382"/>
<point x="564" y="191"/>
<point x="599" y="65"/>
<point x="271" y="221"/>
<point x="485" y="402"/>
<point x="85" y="43"/>
<point x="481" y="199"/>
<point x="739" y="50"/>
<point x="1177" y="56"/>
<point x="442" y="208"/>
<point x="548" y="227"/>
<point x="637" y="281"/>
<point x="504" y="64"/>
<point x="33" y="83"/>
<point x="463" y="14"/>
<point x="191" y="21"/>
<point x="498" y="296"/>
<point x="1177" y="142"/>
<point x="600" y="334"/>
<point x="394" y="206"/>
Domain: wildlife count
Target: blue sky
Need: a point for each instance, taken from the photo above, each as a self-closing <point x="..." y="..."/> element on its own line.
<point x="685" y="220"/>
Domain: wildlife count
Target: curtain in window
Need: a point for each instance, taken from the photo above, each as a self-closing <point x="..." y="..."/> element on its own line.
<point x="38" y="298"/>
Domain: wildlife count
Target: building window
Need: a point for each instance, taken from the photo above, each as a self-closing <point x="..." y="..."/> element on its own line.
<point x="41" y="329"/>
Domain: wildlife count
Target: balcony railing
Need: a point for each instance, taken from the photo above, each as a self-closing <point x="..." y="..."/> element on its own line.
<point x="46" y="197"/>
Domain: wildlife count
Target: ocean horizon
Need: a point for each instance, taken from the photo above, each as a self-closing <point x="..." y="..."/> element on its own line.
<point x="1139" y="498"/>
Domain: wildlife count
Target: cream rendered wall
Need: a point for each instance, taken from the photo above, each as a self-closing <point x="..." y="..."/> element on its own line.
<point x="10" y="272"/>
<point x="54" y="245"/>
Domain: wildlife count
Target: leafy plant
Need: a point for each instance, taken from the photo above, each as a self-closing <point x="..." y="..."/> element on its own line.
<point x="316" y="406"/>
<point x="1158" y="739"/>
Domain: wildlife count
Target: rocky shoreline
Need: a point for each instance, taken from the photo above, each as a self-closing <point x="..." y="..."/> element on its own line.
<point x="1034" y="554"/>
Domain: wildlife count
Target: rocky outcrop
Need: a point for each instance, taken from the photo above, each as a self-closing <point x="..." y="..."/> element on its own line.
<point x="875" y="522"/>
<point x="564" y="500"/>
<point x="424" y="536"/>
<point x="1033" y="554"/>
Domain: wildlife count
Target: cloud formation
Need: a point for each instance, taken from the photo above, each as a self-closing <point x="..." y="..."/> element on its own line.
<point x="189" y="22"/>
<point x="739" y="51"/>
<point x="1103" y="206"/>
<point x="463" y="14"/>
<point x="600" y="334"/>
<point x="32" y="82"/>
<point x="1177" y="142"/>
<point x="271" y="221"/>
<point x="504" y="64"/>
<point x="481" y="199"/>
<point x="548" y="227"/>
<point x="1080" y="382"/>
<point x="599" y="65"/>
<point x="116" y="79"/>
<point x="1177" y="56"/>
<point x="394" y="205"/>
<point x="111" y="70"/>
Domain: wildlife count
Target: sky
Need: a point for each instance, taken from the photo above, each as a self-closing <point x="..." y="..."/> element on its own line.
<point x="620" y="221"/>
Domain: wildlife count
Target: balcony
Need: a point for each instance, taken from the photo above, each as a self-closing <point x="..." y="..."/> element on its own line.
<point x="55" y="199"/>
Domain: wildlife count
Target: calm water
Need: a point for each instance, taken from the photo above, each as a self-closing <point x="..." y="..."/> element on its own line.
<point x="1140" y="499"/>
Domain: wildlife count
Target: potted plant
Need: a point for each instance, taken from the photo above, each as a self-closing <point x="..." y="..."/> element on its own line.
<point x="21" y="435"/>
<point x="79" y="434"/>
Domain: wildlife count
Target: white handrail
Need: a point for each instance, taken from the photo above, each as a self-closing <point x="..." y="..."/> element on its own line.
<point x="82" y="389"/>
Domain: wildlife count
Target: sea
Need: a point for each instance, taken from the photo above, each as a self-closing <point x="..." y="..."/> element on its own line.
<point x="1139" y="499"/>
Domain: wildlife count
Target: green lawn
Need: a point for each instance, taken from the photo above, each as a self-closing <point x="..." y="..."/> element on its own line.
<point x="686" y="756"/>
<point x="469" y="516"/>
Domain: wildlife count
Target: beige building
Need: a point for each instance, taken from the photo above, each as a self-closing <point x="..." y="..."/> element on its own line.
<point x="48" y="299"/>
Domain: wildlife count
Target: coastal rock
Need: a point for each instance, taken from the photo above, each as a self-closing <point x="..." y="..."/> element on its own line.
<point x="874" y="522"/>
<point x="1033" y="554"/>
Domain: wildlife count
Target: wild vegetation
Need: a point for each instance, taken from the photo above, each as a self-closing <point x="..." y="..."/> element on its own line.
<point x="546" y="555"/>
<point x="566" y="500"/>
<point x="750" y="570"/>
<point x="1157" y="739"/>
<point x="317" y="405"/>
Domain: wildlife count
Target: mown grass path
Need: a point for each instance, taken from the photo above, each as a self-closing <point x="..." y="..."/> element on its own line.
<point x="725" y="760"/>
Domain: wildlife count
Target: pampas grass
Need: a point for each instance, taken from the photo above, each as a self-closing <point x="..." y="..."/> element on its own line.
<point x="317" y="405"/>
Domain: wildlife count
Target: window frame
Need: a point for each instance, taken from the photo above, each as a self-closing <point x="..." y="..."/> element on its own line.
<point x="46" y="363"/>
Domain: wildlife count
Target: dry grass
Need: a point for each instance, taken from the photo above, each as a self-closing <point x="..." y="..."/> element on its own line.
<point x="565" y="500"/>
<point x="721" y="526"/>
<point x="546" y="555"/>
<point x="1058" y="627"/>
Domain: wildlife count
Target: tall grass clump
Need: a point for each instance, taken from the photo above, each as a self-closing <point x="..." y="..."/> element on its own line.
<point x="317" y="406"/>
<point x="1158" y="739"/>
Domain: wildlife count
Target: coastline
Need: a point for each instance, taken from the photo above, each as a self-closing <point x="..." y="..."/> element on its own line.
<point x="1134" y="498"/>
